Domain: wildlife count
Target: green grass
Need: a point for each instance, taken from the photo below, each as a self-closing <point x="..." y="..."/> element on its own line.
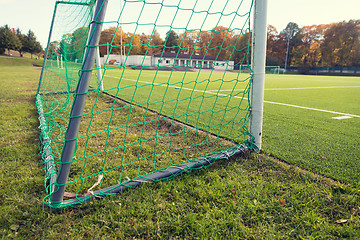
<point x="252" y="197"/>
<point x="341" y="98"/>
<point x="8" y="61"/>
<point x="313" y="139"/>
<point x="310" y="139"/>
<point x="122" y="141"/>
<point x="171" y="95"/>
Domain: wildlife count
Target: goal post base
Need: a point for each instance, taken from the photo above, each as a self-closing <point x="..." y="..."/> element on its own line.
<point x="159" y="175"/>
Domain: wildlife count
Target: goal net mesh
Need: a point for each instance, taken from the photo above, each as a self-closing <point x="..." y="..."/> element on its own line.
<point x="164" y="92"/>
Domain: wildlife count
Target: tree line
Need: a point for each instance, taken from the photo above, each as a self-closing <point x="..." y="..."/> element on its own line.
<point x="219" y="42"/>
<point x="324" y="45"/>
<point x="11" y="39"/>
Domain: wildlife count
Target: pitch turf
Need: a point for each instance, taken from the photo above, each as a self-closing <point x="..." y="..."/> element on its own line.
<point x="299" y="110"/>
<point x="250" y="197"/>
<point x="310" y="137"/>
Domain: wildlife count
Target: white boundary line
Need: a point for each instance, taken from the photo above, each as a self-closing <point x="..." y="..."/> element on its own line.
<point x="314" y="109"/>
<point x="276" y="103"/>
<point x="302" y="88"/>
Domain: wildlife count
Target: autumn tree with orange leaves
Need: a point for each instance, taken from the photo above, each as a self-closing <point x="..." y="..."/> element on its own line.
<point x="323" y="45"/>
<point x="221" y="43"/>
<point x="341" y="45"/>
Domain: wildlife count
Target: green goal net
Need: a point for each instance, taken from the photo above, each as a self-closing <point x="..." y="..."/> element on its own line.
<point x="138" y="91"/>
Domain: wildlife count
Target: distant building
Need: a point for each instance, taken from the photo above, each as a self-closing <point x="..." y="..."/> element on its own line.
<point x="170" y="60"/>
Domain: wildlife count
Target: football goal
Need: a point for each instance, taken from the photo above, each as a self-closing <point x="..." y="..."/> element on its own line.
<point x="139" y="91"/>
<point x="272" y="69"/>
<point x="268" y="69"/>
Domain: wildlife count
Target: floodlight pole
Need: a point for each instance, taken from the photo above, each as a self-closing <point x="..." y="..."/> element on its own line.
<point x="258" y="65"/>
<point x="287" y="52"/>
<point x="79" y="102"/>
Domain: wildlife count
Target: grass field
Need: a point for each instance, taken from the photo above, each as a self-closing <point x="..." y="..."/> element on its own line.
<point x="172" y="94"/>
<point x="312" y="138"/>
<point x="251" y="197"/>
<point x="299" y="127"/>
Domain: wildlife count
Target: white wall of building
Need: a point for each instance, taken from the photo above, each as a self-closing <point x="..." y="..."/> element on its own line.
<point x="138" y="60"/>
<point x="129" y="60"/>
<point x="193" y="63"/>
<point x="134" y="60"/>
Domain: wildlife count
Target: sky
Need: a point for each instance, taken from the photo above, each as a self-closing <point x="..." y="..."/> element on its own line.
<point x="37" y="14"/>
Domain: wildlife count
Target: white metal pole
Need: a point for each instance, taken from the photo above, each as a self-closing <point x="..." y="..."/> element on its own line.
<point x="258" y="63"/>
<point x="98" y="68"/>
<point x="121" y="49"/>
<point x="121" y="40"/>
<point x="287" y="52"/>
<point x="107" y="49"/>
<point x="98" y="61"/>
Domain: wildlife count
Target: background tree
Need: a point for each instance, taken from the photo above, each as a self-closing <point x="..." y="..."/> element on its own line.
<point x="66" y="48"/>
<point x="188" y="41"/>
<point x="17" y="45"/>
<point x="275" y="48"/>
<point x="341" y="44"/>
<point x="203" y="42"/>
<point x="144" y="41"/>
<point x="53" y="50"/>
<point x="134" y="42"/>
<point x="311" y="46"/>
<point x="9" y="40"/>
<point x="22" y="38"/>
<point x="308" y="54"/>
<point x="121" y="42"/>
<point x="32" y="46"/>
<point x="171" y="41"/>
<point x="156" y="43"/>
<point x="111" y="38"/>
<point x="106" y="37"/>
<point x="221" y="40"/>
<point x="242" y="51"/>
<point x="288" y="34"/>
<point x="78" y="42"/>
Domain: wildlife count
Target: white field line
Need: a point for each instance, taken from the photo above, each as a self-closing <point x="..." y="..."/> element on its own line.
<point x="314" y="109"/>
<point x="214" y="93"/>
<point x="302" y="88"/>
<point x="167" y="85"/>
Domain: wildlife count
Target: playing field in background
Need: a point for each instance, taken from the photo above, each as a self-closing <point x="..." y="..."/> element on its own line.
<point x="310" y="121"/>
<point x="314" y="122"/>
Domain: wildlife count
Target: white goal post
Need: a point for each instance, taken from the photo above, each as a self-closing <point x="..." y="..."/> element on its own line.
<point x="258" y="64"/>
